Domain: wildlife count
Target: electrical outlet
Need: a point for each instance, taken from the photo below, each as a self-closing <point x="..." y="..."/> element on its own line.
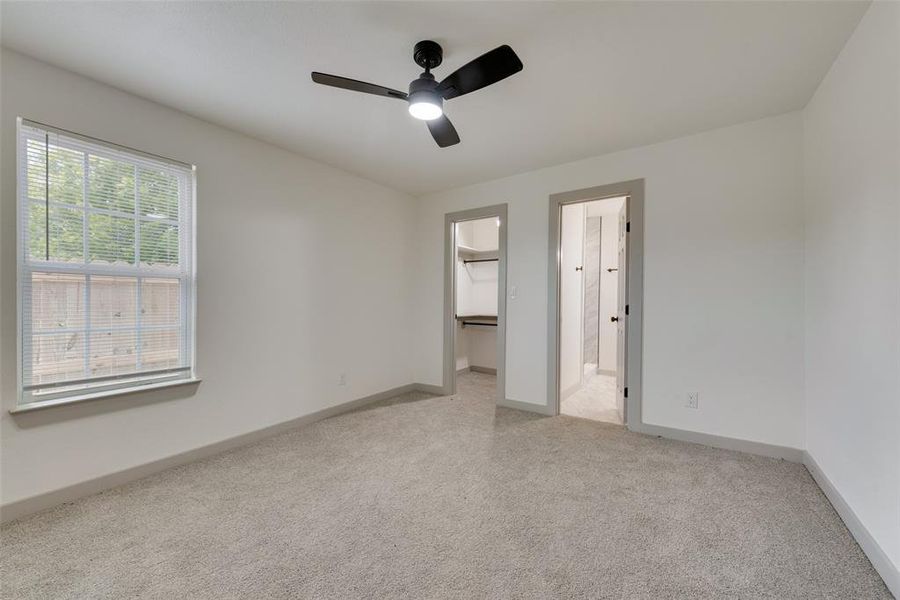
<point x="342" y="380"/>
<point x="693" y="400"/>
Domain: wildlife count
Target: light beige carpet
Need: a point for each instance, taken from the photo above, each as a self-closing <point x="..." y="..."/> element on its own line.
<point x="448" y="498"/>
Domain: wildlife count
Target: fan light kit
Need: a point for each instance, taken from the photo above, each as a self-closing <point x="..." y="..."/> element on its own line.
<point x="426" y="107"/>
<point x="426" y="96"/>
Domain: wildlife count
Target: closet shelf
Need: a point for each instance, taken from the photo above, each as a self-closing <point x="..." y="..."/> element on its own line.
<point x="475" y="251"/>
<point x="471" y="255"/>
<point x="482" y="320"/>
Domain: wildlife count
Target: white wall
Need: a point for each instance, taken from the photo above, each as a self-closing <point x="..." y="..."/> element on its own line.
<point x="590" y="335"/>
<point x="476" y="294"/>
<point x="486" y="234"/>
<point x="723" y="276"/>
<point x="476" y="288"/>
<point x="465" y="234"/>
<point x="303" y="275"/>
<point x="852" y="188"/>
<point x="479" y="234"/>
<point x="481" y="347"/>
<point x="571" y="298"/>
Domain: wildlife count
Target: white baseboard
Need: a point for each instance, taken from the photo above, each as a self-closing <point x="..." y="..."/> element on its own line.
<point x="540" y="409"/>
<point x="437" y="390"/>
<point x="26" y="506"/>
<point x="477" y="369"/>
<point x="694" y="437"/>
<point x="718" y="441"/>
<point x="877" y="556"/>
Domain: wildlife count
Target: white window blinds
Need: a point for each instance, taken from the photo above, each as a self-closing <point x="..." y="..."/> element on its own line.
<point x="105" y="266"/>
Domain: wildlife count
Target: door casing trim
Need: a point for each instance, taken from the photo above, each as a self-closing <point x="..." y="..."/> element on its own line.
<point x="450" y="219"/>
<point x="633" y="190"/>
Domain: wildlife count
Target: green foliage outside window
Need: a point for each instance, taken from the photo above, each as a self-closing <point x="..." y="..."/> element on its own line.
<point x="110" y="186"/>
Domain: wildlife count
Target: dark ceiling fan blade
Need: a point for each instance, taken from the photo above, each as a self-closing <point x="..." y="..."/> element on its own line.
<point x="443" y="131"/>
<point x="356" y="86"/>
<point x="488" y="68"/>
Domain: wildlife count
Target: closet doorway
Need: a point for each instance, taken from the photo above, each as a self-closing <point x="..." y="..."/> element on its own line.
<point x="595" y="303"/>
<point x="475" y="301"/>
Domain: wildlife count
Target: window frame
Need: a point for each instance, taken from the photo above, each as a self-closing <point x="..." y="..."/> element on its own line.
<point x="105" y="386"/>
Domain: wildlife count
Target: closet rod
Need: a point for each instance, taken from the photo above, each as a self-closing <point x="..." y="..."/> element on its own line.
<point x="470" y="323"/>
<point x="465" y="262"/>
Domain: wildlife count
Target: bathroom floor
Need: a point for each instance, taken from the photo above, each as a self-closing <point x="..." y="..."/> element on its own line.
<point x="596" y="400"/>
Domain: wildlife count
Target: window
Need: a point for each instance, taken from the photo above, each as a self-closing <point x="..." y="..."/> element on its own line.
<point x="106" y="275"/>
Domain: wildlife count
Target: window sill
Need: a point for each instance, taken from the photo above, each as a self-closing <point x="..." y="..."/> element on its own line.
<point x="87" y="397"/>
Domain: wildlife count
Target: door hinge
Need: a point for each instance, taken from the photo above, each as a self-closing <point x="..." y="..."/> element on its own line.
<point x="627" y="226"/>
<point x="626" y="392"/>
<point x="626" y="309"/>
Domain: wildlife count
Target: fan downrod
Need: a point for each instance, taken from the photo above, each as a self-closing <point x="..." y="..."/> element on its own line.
<point x="428" y="54"/>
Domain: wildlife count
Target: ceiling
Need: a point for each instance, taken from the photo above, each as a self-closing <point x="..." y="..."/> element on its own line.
<point x="598" y="76"/>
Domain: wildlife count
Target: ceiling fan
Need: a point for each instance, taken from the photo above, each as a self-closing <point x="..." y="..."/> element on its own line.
<point x="426" y="96"/>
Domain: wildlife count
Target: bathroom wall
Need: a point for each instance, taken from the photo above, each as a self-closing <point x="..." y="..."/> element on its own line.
<point x="591" y="289"/>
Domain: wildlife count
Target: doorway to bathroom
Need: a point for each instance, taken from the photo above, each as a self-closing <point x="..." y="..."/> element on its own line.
<point x="595" y="290"/>
<point x="591" y="233"/>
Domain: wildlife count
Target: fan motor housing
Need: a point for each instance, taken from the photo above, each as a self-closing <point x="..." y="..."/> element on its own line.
<point x="428" y="54"/>
<point x="425" y="83"/>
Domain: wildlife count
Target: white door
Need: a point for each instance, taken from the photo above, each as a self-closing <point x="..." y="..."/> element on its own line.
<point x="571" y="299"/>
<point x="621" y="316"/>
